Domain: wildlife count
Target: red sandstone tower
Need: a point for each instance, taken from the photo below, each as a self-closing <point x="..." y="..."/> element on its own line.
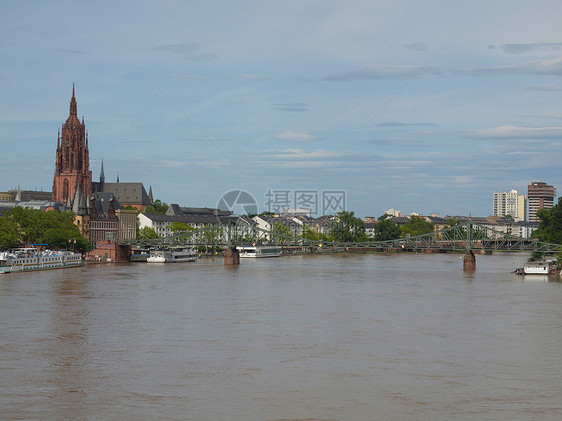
<point x="72" y="166"/>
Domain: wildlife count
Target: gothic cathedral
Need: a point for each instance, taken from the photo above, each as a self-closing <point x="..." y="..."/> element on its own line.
<point x="73" y="178"/>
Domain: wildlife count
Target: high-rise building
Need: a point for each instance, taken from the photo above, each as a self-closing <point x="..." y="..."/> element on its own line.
<point x="541" y="196"/>
<point x="510" y="203"/>
<point x="72" y="167"/>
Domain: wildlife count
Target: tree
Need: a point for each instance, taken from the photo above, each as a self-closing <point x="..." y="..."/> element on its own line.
<point x="178" y="227"/>
<point x="347" y="228"/>
<point x="147" y="233"/>
<point x="52" y="228"/>
<point x="550" y="225"/>
<point x="8" y="233"/>
<point x="157" y="207"/>
<point x="386" y="229"/>
<point x="280" y="232"/>
<point x="417" y="226"/>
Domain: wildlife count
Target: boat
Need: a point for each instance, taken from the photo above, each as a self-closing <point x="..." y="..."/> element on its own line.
<point x="29" y="258"/>
<point x="172" y="255"/>
<point x="540" y="267"/>
<point x="259" y="251"/>
<point x="139" y="255"/>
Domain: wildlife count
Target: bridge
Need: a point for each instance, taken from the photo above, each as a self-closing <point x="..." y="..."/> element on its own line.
<point x="465" y="236"/>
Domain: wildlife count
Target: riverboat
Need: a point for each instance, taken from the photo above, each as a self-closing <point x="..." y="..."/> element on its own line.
<point x="541" y="267"/>
<point x="28" y="258"/>
<point x="172" y="255"/>
<point x="140" y="255"/>
<point x="259" y="251"/>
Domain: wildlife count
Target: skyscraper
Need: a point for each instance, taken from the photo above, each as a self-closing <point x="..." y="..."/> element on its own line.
<point x="510" y="203"/>
<point x="541" y="196"/>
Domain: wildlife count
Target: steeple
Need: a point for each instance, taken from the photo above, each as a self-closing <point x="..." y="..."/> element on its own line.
<point x="102" y="175"/>
<point x="150" y="195"/>
<point x="72" y="164"/>
<point x="73" y="106"/>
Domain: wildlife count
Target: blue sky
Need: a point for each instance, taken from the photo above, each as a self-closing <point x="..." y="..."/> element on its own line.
<point x="421" y="106"/>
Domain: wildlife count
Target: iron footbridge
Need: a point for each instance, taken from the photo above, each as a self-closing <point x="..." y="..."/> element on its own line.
<point x="464" y="236"/>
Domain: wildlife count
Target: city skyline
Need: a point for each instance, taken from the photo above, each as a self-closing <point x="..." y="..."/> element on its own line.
<point x="397" y="104"/>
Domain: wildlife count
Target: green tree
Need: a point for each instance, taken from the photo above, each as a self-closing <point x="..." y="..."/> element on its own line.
<point x="280" y="232"/>
<point x="417" y="226"/>
<point x="386" y="229"/>
<point x="308" y="234"/>
<point x="550" y="225"/>
<point x="157" y="207"/>
<point x="347" y="228"/>
<point x="8" y="233"/>
<point x="178" y="227"/>
<point x="52" y="228"/>
<point x="147" y="233"/>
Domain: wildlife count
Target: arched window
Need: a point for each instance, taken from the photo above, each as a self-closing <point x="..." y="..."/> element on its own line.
<point x="65" y="189"/>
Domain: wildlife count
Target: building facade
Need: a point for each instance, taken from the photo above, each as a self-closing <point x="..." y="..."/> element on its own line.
<point x="72" y="165"/>
<point x="541" y="196"/>
<point x="510" y="203"/>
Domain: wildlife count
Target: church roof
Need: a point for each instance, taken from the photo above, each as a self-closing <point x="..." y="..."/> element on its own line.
<point x="128" y="193"/>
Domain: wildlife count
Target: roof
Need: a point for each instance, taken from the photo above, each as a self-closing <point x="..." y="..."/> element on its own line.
<point x="190" y="219"/>
<point x="175" y="209"/>
<point x="128" y="193"/>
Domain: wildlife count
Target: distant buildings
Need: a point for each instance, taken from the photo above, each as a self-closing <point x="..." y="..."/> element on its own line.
<point x="541" y="196"/>
<point x="510" y="203"/>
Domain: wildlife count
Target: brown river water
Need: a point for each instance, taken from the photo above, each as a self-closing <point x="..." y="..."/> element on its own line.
<point x="343" y="337"/>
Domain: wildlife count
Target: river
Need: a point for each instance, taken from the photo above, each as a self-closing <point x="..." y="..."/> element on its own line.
<point x="342" y="337"/>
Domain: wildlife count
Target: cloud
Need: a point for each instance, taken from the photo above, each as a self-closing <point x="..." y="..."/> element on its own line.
<point x="545" y="88"/>
<point x="292" y="106"/>
<point x="514" y="132"/>
<point x="416" y="46"/>
<point x="289" y="135"/>
<point x="179" y="48"/>
<point x="252" y="77"/>
<point x="380" y="71"/>
<point x="189" y="77"/>
<point x="300" y="154"/>
<point x="540" y="67"/>
<point x="551" y="115"/>
<point x="400" y="124"/>
<point x="529" y="48"/>
<point x="70" y="51"/>
<point x="204" y="58"/>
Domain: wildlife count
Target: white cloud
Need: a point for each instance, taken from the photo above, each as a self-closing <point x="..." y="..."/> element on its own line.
<point x="301" y="154"/>
<point x="514" y="132"/>
<point x="540" y="67"/>
<point x="550" y="87"/>
<point x="381" y="71"/>
<point x="295" y="136"/>
<point x="252" y="77"/>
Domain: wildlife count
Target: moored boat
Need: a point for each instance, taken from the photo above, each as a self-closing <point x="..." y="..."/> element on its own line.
<point x="172" y="255"/>
<point x="139" y="255"/>
<point x="28" y="258"/>
<point x="259" y="251"/>
<point x="541" y="267"/>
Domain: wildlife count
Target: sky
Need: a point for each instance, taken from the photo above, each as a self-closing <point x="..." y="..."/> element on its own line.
<point x="419" y="106"/>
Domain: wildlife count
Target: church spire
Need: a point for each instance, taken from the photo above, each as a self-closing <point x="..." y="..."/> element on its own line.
<point x="102" y="175"/>
<point x="73" y="107"/>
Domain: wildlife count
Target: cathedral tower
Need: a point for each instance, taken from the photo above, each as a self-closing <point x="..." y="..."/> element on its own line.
<point x="72" y="166"/>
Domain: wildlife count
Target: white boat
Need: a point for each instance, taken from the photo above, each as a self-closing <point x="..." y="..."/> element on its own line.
<point x="179" y="254"/>
<point x="24" y="259"/>
<point x="259" y="251"/>
<point x="541" y="267"/>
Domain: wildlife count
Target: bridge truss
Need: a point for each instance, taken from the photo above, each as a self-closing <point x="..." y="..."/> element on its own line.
<point x="462" y="237"/>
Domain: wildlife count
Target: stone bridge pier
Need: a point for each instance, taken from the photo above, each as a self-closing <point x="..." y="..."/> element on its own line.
<point x="469" y="261"/>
